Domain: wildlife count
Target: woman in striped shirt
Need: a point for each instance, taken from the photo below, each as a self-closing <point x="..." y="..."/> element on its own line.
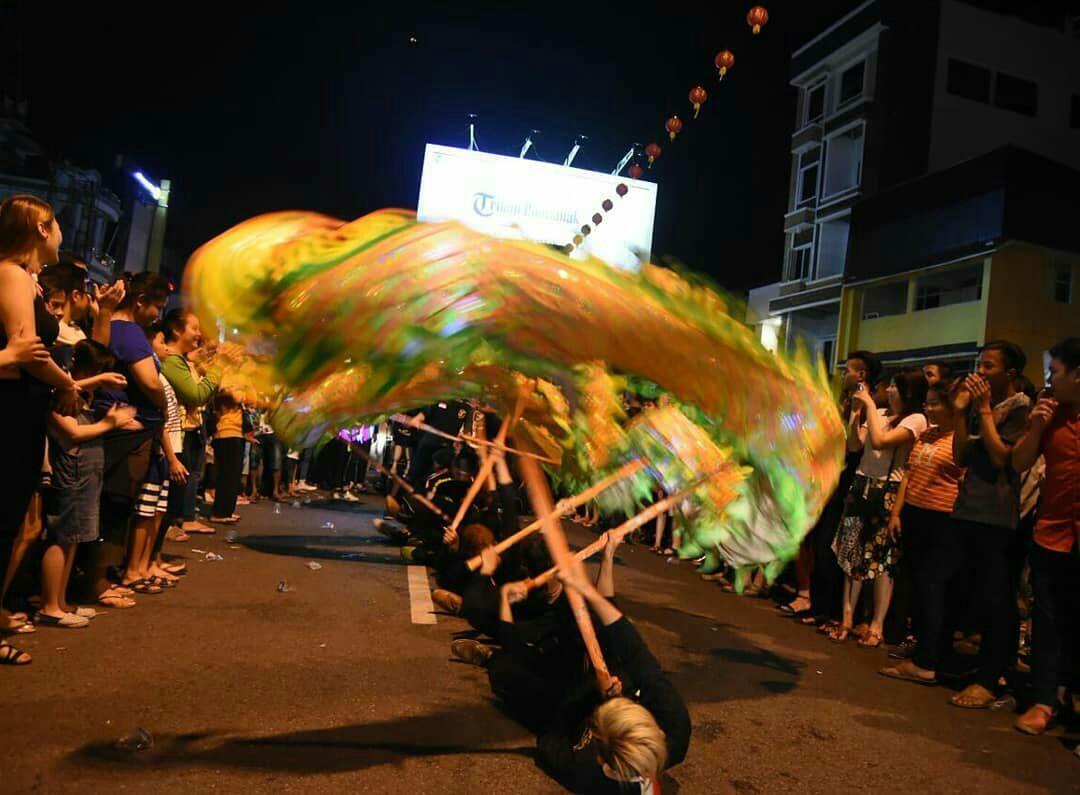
<point x="920" y="519"/>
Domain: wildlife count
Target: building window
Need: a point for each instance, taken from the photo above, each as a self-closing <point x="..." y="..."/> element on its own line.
<point x="832" y="247"/>
<point x="1074" y="111"/>
<point x="815" y="103"/>
<point x="843" y="161"/>
<point x="851" y="83"/>
<point x="884" y="299"/>
<point x="808" y="181"/>
<point x="828" y="353"/>
<point x="953" y="286"/>
<point x="968" y="81"/>
<point x="1016" y="94"/>
<point x="1063" y="284"/>
<point x="800" y="262"/>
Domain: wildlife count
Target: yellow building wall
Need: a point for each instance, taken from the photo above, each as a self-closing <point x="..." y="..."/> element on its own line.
<point x="943" y="325"/>
<point x="927" y="328"/>
<point x="1021" y="306"/>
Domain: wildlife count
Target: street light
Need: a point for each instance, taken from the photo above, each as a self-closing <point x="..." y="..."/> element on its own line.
<point x="160" y="193"/>
<point x="150" y="187"/>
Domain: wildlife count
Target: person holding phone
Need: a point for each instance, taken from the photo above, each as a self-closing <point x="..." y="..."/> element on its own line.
<point x="1054" y="433"/>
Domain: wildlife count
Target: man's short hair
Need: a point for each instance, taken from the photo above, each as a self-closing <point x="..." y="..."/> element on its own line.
<point x="64" y="277"/>
<point x="871" y="364"/>
<point x="1067" y="352"/>
<point x="147" y="287"/>
<point x="1013" y="354"/>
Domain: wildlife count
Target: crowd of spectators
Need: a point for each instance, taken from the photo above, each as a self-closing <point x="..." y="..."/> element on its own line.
<point x="958" y="508"/>
<point x="123" y="427"/>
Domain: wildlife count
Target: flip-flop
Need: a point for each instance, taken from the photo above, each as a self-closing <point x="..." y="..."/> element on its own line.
<point x="175" y="569"/>
<point x="226" y="520"/>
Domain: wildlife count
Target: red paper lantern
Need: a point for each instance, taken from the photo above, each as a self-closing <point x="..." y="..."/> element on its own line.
<point x="653" y="151"/>
<point x="697" y="96"/>
<point x="756" y="18"/>
<point x="673" y="126"/>
<point x="725" y="59"/>
<point x="636" y="171"/>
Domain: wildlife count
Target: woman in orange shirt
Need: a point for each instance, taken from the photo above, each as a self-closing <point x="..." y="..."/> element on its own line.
<point x="920" y="521"/>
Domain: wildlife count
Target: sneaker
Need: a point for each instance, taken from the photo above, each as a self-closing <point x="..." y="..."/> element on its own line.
<point x="471" y="651"/>
<point x="447" y="601"/>
<point x="904" y="650"/>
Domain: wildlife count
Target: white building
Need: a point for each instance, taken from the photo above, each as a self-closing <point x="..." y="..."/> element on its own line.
<point x="892" y="91"/>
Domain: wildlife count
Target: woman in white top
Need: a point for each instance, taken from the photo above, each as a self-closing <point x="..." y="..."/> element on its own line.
<point x="863" y="546"/>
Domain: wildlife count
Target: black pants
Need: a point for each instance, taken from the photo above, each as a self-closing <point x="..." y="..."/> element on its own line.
<point x="826" y="579"/>
<point x="228" y="466"/>
<point x="991" y="549"/>
<point x="1055" y="639"/>
<point x="918" y="526"/>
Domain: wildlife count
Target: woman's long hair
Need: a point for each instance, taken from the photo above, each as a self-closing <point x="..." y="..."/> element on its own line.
<point x="911" y="386"/>
<point x="19" y="219"/>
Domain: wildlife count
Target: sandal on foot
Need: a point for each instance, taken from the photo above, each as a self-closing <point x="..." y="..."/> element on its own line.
<point x="161" y="582"/>
<point x="871" y="640"/>
<point x="840" y="633"/>
<point x="175" y="569"/>
<point x="116" y="601"/>
<point x="1036" y="720"/>
<point x="143" y="586"/>
<point x="973" y="697"/>
<point x="907" y="671"/>
<point x="9" y="655"/>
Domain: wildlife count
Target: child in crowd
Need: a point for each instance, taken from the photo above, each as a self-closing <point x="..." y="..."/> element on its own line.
<point x="78" y="461"/>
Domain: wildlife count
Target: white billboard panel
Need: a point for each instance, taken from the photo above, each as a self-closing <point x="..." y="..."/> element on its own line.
<point x="548" y="203"/>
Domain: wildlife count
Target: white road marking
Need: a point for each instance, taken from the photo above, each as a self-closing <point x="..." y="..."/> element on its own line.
<point x="421" y="608"/>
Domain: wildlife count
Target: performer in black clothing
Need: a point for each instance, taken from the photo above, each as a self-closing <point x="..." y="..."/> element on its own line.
<point x="615" y="742"/>
<point x="447" y="416"/>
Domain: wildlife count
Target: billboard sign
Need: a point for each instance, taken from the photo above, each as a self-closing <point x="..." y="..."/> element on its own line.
<point x="544" y="202"/>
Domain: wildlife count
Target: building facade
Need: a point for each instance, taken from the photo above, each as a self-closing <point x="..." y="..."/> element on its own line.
<point x="983" y="250"/>
<point x="886" y="95"/>
<point x="111" y="234"/>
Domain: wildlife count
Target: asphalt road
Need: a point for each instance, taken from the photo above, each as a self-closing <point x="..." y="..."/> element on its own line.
<point x="331" y="687"/>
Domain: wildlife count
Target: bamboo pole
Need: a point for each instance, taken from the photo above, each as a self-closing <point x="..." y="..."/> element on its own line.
<point x="544" y="506"/>
<point x="620" y="532"/>
<point x="563" y="507"/>
<point x="485" y="469"/>
<point x="420" y="498"/>
<point x="404" y="419"/>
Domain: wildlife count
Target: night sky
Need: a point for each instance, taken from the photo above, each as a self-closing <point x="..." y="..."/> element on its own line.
<point x="283" y="107"/>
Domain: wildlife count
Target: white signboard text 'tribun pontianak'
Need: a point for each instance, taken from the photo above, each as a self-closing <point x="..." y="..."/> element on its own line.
<point x="544" y="202"/>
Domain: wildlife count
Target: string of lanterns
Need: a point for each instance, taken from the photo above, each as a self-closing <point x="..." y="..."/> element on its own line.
<point x="757" y="17"/>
